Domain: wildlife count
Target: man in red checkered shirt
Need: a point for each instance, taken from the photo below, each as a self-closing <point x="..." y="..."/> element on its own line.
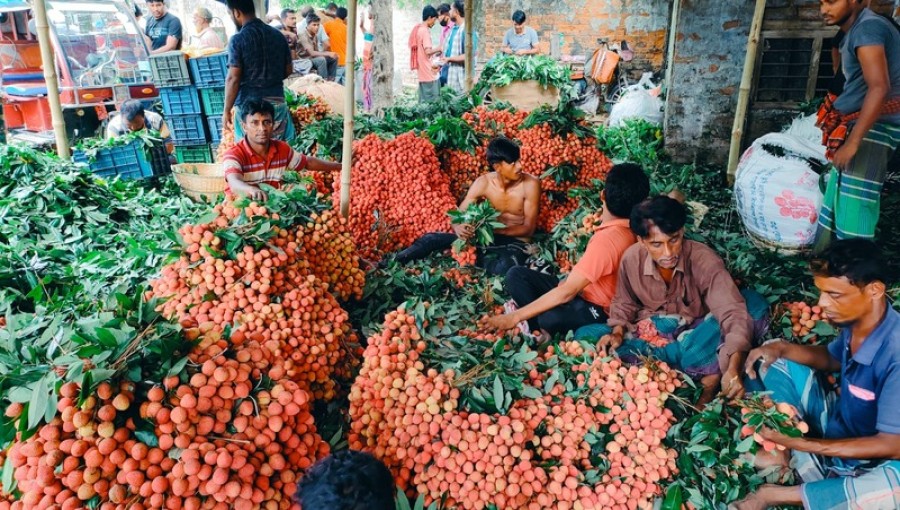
<point x="258" y="158"/>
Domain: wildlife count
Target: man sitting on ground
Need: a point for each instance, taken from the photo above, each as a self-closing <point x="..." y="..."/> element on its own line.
<point x="324" y="62"/>
<point x="684" y="288"/>
<point x="585" y="295"/>
<point x="510" y="191"/>
<point x="849" y="459"/>
<point x="259" y="159"/>
<point x="132" y="117"/>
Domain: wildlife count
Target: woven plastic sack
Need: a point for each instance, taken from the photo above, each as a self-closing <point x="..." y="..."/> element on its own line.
<point x="328" y="91"/>
<point x="640" y="101"/>
<point x="777" y="193"/>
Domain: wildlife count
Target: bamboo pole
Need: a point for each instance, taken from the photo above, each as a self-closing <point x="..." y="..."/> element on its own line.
<point x="670" y="59"/>
<point x="470" y="44"/>
<point x="349" y="107"/>
<point x="740" y="115"/>
<point x="49" y="64"/>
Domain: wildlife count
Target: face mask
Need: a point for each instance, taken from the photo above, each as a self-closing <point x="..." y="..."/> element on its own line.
<point x="444" y="23"/>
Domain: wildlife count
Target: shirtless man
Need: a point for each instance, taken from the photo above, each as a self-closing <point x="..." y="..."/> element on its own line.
<point x="511" y="192"/>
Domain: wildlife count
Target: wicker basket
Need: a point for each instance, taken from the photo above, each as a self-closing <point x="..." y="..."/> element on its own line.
<point x="200" y="181"/>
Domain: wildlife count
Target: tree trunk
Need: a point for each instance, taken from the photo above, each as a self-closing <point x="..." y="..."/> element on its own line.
<point x="383" y="55"/>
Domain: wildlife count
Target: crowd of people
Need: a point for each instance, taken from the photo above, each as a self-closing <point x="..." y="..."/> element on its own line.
<point x="439" y="56"/>
<point x="639" y="265"/>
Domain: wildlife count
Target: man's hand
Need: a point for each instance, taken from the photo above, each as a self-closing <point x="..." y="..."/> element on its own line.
<point x="610" y="342"/>
<point x="779" y="438"/>
<point x="464" y="231"/>
<point x="768" y="354"/>
<point x="226" y="122"/>
<point x="506" y="51"/>
<point x="844" y="155"/>
<point x="254" y="193"/>
<point x="501" y="322"/>
<point x="732" y="385"/>
<point x="522" y="52"/>
<point x="333" y="55"/>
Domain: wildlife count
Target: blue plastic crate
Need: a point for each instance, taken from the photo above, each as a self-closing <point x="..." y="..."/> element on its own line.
<point x="215" y="128"/>
<point x="209" y="71"/>
<point x="180" y="100"/>
<point x="187" y="129"/>
<point x="124" y="161"/>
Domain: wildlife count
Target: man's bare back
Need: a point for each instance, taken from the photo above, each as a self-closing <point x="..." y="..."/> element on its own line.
<point x="516" y="201"/>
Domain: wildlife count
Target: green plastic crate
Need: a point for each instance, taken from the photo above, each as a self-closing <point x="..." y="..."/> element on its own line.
<point x="193" y="154"/>
<point x="213" y="101"/>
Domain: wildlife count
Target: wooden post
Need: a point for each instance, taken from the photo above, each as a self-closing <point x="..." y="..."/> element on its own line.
<point x="470" y="44"/>
<point x="740" y="114"/>
<point x="670" y="59"/>
<point x="49" y="63"/>
<point x="349" y="107"/>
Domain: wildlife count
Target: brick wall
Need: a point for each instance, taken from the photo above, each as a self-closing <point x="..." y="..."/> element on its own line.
<point x="642" y="23"/>
<point x="710" y="48"/>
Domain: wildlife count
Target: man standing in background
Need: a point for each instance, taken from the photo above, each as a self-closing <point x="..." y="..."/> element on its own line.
<point x="862" y="125"/>
<point x="520" y="40"/>
<point x="258" y="62"/>
<point x="336" y="30"/>
<point x="163" y="32"/>
<point x="420" y="55"/>
<point x="455" y="51"/>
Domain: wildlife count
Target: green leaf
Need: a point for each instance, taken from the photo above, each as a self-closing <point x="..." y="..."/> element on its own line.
<point x="147" y="437"/>
<point x="178" y="367"/>
<point x="498" y="392"/>
<point x="551" y="381"/>
<point x="674" y="499"/>
<point x="531" y="392"/>
<point x="37" y="407"/>
<point x="402" y="500"/>
<point x="7" y="477"/>
<point x="20" y="394"/>
<point x="745" y="445"/>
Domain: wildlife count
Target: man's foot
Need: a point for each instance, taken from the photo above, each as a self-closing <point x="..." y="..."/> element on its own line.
<point x="510" y="307"/>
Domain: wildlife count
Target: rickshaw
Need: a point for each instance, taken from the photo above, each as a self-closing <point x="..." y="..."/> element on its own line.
<point x="101" y="61"/>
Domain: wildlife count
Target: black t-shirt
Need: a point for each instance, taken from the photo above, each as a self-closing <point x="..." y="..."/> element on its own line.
<point x="158" y="30"/>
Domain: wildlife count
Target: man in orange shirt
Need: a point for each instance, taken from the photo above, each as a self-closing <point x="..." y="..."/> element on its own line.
<point x="585" y="295"/>
<point x="336" y="30"/>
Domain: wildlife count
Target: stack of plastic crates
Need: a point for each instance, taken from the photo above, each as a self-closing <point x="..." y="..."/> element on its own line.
<point x="181" y="107"/>
<point x="208" y="74"/>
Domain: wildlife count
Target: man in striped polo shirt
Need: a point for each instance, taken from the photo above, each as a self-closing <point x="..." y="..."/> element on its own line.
<point x="259" y="159"/>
